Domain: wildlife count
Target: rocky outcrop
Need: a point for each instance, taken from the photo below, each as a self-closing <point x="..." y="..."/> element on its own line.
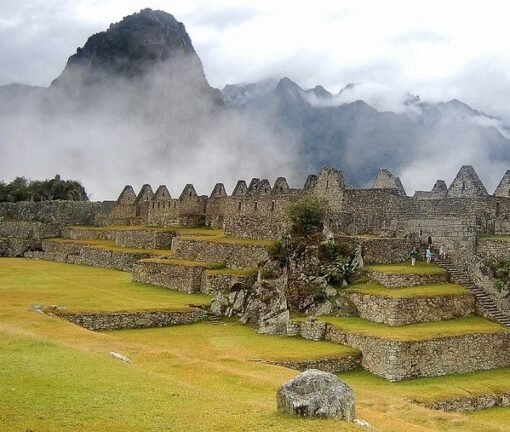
<point x="264" y="306"/>
<point x="315" y="393"/>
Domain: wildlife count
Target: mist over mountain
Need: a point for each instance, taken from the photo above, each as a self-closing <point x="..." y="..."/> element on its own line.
<point x="133" y="106"/>
<point x="418" y="140"/>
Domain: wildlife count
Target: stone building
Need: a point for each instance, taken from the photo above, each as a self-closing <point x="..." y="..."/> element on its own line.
<point x="454" y="215"/>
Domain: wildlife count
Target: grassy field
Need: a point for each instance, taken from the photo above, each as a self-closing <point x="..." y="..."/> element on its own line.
<point x="415" y="332"/>
<point x="231" y="240"/>
<point x="496" y="237"/>
<point x="185" y="263"/>
<point x="56" y="376"/>
<point x="195" y="231"/>
<point x="83" y="288"/>
<point x="375" y="289"/>
<point x="232" y="272"/>
<point x="406" y="268"/>
<point x="110" y="245"/>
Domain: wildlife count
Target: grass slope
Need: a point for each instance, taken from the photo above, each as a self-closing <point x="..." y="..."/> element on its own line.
<point x="372" y="288"/>
<point x="416" y="332"/>
<point x="421" y="268"/>
<point x="58" y="377"/>
<point x="110" y="245"/>
<point x="83" y="288"/>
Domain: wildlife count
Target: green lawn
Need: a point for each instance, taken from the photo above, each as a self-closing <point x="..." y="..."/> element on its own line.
<point x="230" y="240"/>
<point x="110" y="245"/>
<point x="83" y="288"/>
<point x="425" y="390"/>
<point x="233" y="272"/>
<point x="196" y="231"/>
<point x="372" y="288"/>
<point x="406" y="268"/>
<point x="416" y="332"/>
<point x="185" y="263"/>
<point x="56" y="376"/>
<point x="496" y="237"/>
<point x="242" y="341"/>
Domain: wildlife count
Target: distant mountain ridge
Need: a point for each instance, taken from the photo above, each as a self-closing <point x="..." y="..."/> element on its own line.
<point x="144" y="73"/>
<point x="358" y="138"/>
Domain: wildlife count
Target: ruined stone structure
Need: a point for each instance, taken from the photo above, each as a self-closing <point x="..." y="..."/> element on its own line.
<point x="454" y="215"/>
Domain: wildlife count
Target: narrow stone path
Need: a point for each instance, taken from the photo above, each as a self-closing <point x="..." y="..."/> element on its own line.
<point x="487" y="304"/>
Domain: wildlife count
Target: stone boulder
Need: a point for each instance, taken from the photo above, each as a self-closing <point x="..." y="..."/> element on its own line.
<point x="315" y="393"/>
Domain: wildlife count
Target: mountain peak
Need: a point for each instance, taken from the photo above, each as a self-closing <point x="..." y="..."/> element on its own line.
<point x="129" y="49"/>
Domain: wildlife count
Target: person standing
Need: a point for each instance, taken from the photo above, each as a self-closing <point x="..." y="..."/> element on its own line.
<point x="428" y="255"/>
<point x="414" y="253"/>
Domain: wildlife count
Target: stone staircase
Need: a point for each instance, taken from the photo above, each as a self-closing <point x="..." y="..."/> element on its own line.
<point x="292" y="329"/>
<point x="213" y="318"/>
<point x="487" y="304"/>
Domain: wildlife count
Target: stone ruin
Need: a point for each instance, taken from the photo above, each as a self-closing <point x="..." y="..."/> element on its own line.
<point x="454" y="215"/>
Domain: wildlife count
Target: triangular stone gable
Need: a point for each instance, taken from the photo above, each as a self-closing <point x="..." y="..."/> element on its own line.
<point x="218" y="191"/>
<point x="127" y="196"/>
<point x="188" y="192"/>
<point x="241" y="189"/>
<point x="386" y="180"/>
<point x="145" y="194"/>
<point x="467" y="184"/>
<point x="264" y="187"/>
<point x="440" y="187"/>
<point x="281" y="186"/>
<point x="503" y="189"/>
<point x="330" y="179"/>
<point x="311" y="182"/>
<point x="162" y="194"/>
<point x="252" y="188"/>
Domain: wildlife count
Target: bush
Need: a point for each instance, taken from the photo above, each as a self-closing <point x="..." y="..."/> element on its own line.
<point x="21" y="189"/>
<point x="331" y="251"/>
<point x="307" y="215"/>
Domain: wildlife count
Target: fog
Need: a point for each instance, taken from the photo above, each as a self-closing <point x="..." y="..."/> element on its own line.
<point x="167" y="128"/>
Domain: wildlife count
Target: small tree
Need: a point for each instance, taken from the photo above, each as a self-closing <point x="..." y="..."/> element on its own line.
<point x="307" y="216"/>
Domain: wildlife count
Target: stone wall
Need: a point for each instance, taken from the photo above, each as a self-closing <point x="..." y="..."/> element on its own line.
<point x="398" y="360"/>
<point x="181" y="277"/>
<point x="236" y="255"/>
<point x="401" y="311"/>
<point x="143" y="239"/>
<point x="52" y="212"/>
<point x="73" y="253"/>
<point x="471" y="403"/>
<point x="333" y="365"/>
<point x="18" y="237"/>
<point x="398" y="280"/>
<point x="214" y="282"/>
<point x="92" y="233"/>
<point x="132" y="320"/>
<point x="493" y="250"/>
<point x="380" y="250"/>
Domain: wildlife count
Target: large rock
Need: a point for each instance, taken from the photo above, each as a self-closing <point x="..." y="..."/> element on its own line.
<point x="316" y="393"/>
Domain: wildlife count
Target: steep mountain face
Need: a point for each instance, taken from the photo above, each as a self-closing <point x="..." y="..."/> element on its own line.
<point x="359" y="139"/>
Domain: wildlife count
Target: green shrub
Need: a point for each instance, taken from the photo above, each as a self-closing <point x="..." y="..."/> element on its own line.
<point x="306" y="216"/>
<point x="331" y="251"/>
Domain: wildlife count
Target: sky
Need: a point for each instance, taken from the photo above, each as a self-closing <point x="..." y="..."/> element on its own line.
<point x="439" y="50"/>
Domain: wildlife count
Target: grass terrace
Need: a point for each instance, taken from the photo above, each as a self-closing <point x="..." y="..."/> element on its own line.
<point x="421" y="268"/>
<point x="375" y="289"/>
<point x="57" y="376"/>
<point x="111" y="246"/>
<point x="82" y="288"/>
<point x="184" y="231"/>
<point x="496" y="237"/>
<point x="416" y="332"/>
<point x="423" y="390"/>
<point x="230" y="240"/>
<point x="232" y="272"/>
<point x="186" y="263"/>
